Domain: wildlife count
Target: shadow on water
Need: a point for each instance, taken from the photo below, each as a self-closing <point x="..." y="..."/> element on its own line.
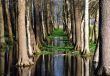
<point x="57" y="64"/>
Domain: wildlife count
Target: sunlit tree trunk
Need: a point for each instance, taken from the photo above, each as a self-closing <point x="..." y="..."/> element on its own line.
<point x="23" y="59"/>
<point x="28" y="29"/>
<point x="82" y="35"/>
<point x="86" y="28"/>
<point x="43" y="22"/>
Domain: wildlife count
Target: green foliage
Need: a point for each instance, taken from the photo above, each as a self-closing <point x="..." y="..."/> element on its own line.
<point x="57" y="33"/>
<point x="43" y="52"/>
<point x="92" y="46"/>
<point x="75" y="53"/>
<point x="57" y="48"/>
<point x="66" y="47"/>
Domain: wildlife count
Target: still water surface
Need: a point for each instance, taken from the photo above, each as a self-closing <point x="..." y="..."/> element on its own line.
<point x="57" y="64"/>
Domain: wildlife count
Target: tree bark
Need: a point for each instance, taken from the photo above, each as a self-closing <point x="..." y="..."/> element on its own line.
<point x="78" y="27"/>
<point x="72" y="9"/>
<point x="86" y="28"/>
<point x="2" y="40"/>
<point x="104" y="38"/>
<point x="28" y="29"/>
<point x="23" y="59"/>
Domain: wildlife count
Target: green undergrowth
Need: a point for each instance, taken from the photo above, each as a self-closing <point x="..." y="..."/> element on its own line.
<point x="66" y="47"/>
<point x="57" y="33"/>
<point x="66" y="52"/>
<point x="57" y="48"/>
<point x="92" y="46"/>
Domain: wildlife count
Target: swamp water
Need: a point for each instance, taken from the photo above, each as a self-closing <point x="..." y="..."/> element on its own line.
<point x="55" y="64"/>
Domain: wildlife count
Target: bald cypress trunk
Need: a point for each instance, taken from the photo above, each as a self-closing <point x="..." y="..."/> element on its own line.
<point x="105" y="34"/>
<point x="72" y="21"/>
<point x="104" y="38"/>
<point x="28" y="26"/>
<point x="78" y="27"/>
<point x="2" y="40"/>
<point x="38" y="22"/>
<point x="86" y="28"/>
<point x="23" y="59"/>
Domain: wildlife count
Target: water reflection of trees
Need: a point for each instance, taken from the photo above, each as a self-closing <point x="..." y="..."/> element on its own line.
<point x="45" y="65"/>
<point x="25" y="71"/>
<point x="77" y="66"/>
<point x="5" y="61"/>
<point x="86" y="66"/>
<point x="2" y="63"/>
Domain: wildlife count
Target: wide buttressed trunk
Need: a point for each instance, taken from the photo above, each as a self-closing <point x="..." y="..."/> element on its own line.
<point x="23" y="59"/>
<point x="104" y="32"/>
